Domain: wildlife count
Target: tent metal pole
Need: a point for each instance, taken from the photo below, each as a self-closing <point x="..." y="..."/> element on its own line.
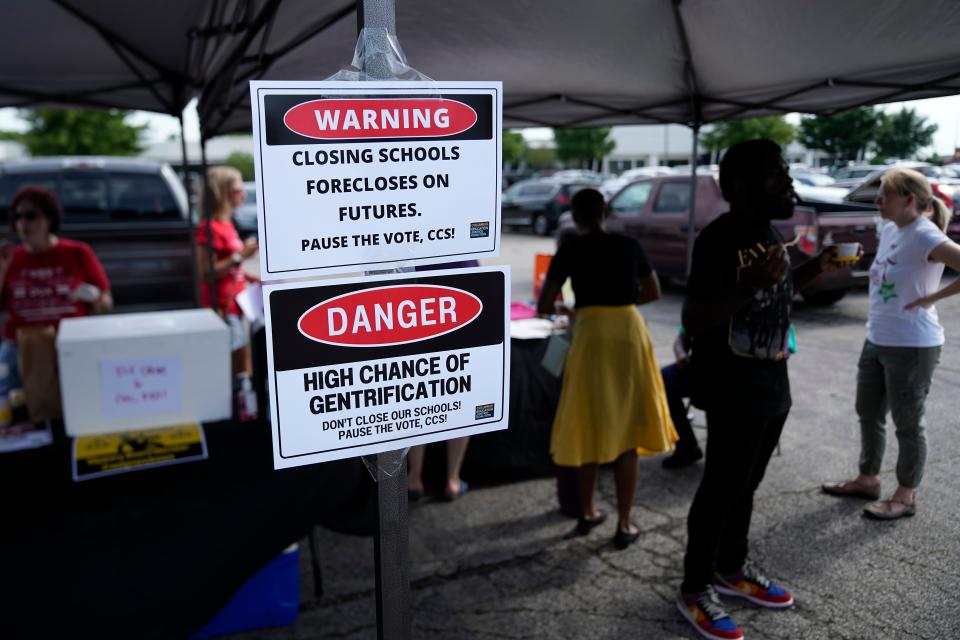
<point x="207" y="202"/>
<point x="191" y="210"/>
<point x="692" y="215"/>
<point x="391" y="543"/>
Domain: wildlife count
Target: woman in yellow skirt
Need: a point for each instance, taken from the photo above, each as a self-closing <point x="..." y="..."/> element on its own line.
<point x="613" y="405"/>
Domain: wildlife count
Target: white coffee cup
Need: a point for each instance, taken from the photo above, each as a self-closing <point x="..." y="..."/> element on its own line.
<point x="847" y="251"/>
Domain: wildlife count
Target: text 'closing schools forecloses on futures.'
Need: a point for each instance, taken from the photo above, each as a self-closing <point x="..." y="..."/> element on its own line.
<point x="370" y="175"/>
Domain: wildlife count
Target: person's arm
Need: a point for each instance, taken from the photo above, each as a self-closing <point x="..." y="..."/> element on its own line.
<point x="649" y="288"/>
<point x="220" y="267"/>
<point x="557" y="274"/>
<point x="681" y="349"/>
<point x="648" y="284"/>
<point x="103" y="304"/>
<point x="805" y="274"/>
<point x="948" y="253"/>
<point x="701" y="314"/>
<point x="95" y="290"/>
<point x="546" y="305"/>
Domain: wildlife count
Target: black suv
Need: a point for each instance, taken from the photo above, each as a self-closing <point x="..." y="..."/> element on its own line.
<point x="538" y="203"/>
<point x="133" y="213"/>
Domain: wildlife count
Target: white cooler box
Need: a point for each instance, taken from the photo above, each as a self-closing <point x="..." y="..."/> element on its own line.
<point x="142" y="370"/>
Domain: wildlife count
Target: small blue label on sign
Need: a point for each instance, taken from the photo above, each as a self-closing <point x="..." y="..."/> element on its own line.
<point x="483" y="411"/>
<point x="479" y="229"/>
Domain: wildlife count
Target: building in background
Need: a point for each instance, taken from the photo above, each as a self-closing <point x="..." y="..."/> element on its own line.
<point x="671" y="145"/>
<point x="10" y="150"/>
<point x="218" y="150"/>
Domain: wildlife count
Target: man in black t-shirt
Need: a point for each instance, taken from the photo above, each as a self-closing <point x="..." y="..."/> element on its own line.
<point x="737" y="312"/>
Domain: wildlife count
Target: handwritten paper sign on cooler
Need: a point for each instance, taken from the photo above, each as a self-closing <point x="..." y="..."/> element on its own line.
<point x="140" y="386"/>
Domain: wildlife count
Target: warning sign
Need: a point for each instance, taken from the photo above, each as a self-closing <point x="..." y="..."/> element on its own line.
<point x="356" y="174"/>
<point x="359" y="366"/>
<point x="107" y="454"/>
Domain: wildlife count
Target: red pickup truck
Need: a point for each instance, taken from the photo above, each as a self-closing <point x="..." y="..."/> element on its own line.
<point x="656" y="212"/>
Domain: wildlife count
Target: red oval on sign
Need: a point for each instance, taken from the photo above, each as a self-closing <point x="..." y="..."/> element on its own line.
<point x="391" y="315"/>
<point x="350" y="118"/>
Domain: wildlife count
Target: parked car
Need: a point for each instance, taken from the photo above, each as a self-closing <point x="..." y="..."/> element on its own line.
<point x="611" y="186"/>
<point x="812" y="179"/>
<point x="133" y="213"/>
<point x="512" y="177"/>
<point x="579" y="175"/>
<point x="656" y="212"/>
<point x="813" y="193"/>
<point x="853" y="175"/>
<point x="245" y="216"/>
<point x="944" y="187"/>
<point x="538" y="203"/>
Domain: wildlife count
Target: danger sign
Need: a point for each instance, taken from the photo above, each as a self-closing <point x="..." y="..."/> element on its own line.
<point x="353" y="175"/>
<point x="359" y="366"/>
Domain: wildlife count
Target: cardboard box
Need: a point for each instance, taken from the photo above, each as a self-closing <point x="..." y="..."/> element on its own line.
<point x="141" y="370"/>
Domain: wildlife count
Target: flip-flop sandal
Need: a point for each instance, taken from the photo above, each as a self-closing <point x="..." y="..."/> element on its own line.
<point x="413" y="495"/>
<point x="890" y="509"/>
<point x="462" y="489"/>
<point x="849" y="489"/>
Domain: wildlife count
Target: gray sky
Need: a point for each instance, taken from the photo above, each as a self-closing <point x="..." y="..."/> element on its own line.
<point x="945" y="112"/>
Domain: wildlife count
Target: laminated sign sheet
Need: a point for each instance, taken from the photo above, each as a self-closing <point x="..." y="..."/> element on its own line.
<point x="368" y="175"/>
<point x="359" y="366"/>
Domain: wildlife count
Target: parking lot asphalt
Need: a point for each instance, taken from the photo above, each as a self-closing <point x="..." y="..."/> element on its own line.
<point x="495" y="564"/>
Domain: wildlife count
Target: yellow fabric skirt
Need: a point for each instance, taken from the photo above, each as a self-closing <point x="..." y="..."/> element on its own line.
<point x="613" y="398"/>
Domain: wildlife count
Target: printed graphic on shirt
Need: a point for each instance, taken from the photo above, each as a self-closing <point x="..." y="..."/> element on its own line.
<point x="760" y="329"/>
<point x="886" y="289"/>
<point x="43" y="294"/>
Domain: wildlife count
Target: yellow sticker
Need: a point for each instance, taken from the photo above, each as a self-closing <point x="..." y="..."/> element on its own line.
<point x="106" y="454"/>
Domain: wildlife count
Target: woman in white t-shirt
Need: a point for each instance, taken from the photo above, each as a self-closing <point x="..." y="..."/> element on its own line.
<point x="904" y="337"/>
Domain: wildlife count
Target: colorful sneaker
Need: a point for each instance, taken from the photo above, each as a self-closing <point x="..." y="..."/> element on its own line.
<point x="704" y="611"/>
<point x="750" y="584"/>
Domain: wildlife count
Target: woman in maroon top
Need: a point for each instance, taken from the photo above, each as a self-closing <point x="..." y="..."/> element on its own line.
<point x="45" y="278"/>
<point x="225" y="193"/>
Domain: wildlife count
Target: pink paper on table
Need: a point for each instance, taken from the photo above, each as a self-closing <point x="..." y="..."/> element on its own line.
<point x="520" y="311"/>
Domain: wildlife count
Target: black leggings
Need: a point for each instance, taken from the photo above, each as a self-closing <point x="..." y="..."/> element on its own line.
<point x="738" y="449"/>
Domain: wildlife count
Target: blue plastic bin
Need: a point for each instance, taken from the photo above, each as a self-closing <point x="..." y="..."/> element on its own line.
<point x="271" y="598"/>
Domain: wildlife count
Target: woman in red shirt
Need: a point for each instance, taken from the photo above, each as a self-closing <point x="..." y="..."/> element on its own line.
<point x="225" y="193"/>
<point x="45" y="278"/>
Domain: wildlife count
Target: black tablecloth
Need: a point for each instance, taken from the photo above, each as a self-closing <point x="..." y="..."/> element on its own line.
<point x="523" y="450"/>
<point x="156" y="553"/>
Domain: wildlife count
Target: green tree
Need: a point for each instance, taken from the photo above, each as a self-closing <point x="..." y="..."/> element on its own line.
<point x="514" y="147"/>
<point x="583" y="146"/>
<point x="74" y="132"/>
<point x="242" y="162"/>
<point x="902" y="134"/>
<point x="726" y="134"/>
<point x="541" y="157"/>
<point x="843" y="136"/>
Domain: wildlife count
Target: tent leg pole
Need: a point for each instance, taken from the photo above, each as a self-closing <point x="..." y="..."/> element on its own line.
<point x="692" y="215"/>
<point x="207" y="217"/>
<point x="188" y="185"/>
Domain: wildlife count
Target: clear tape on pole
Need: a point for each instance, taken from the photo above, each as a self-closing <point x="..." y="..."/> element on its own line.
<point x="378" y="56"/>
